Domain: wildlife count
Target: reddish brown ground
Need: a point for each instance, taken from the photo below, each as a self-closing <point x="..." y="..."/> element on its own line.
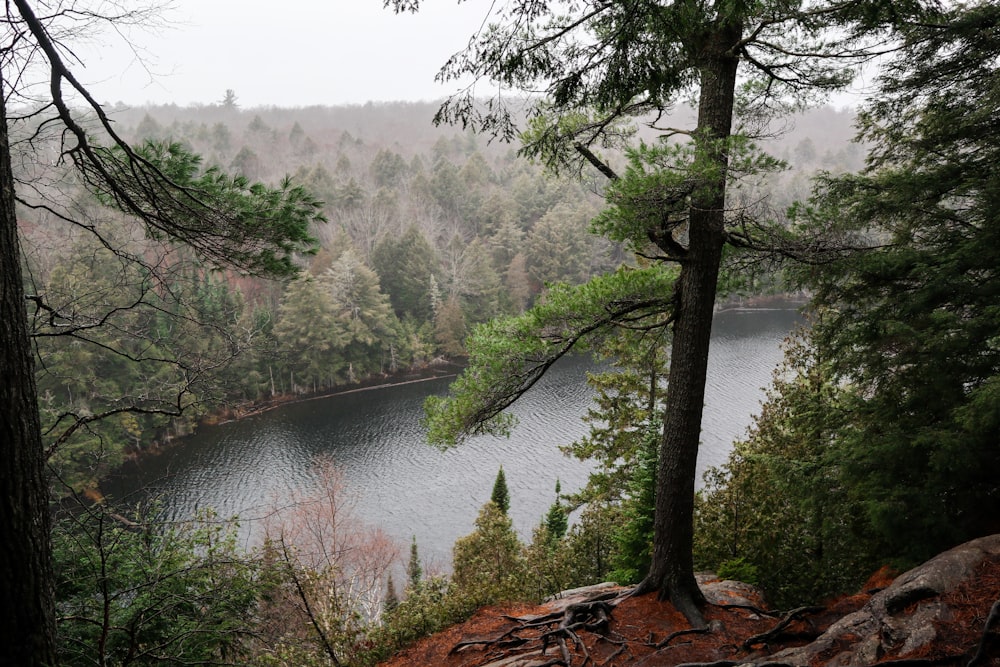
<point x="639" y="623"/>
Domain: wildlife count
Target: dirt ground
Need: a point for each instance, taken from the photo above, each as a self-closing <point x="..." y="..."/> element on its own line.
<point x="645" y="631"/>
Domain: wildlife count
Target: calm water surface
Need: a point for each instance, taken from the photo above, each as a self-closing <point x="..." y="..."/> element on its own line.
<point x="412" y="489"/>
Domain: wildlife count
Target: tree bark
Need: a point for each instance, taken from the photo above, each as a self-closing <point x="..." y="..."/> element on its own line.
<point x="27" y="608"/>
<point x="672" y="569"/>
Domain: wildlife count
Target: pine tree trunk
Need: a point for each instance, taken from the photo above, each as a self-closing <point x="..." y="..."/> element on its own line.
<point x="672" y="569"/>
<point x="27" y="616"/>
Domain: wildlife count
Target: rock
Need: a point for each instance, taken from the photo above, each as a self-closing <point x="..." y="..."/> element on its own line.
<point x="726" y="591"/>
<point x="523" y="660"/>
<point x="881" y="627"/>
<point x="562" y="600"/>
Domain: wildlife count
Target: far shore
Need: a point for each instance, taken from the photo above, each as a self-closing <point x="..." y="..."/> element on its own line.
<point x="437" y="371"/>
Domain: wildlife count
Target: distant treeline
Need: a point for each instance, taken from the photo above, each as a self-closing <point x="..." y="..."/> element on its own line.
<point x="430" y="231"/>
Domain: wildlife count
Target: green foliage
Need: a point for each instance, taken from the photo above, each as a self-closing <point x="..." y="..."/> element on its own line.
<point x="558" y="246"/>
<point x="450" y="329"/>
<point x="489" y="564"/>
<point x="387" y="168"/>
<point x="228" y="220"/>
<point x="911" y="324"/>
<point x="425" y="610"/>
<point x="128" y="349"/>
<point x="738" y="569"/>
<point x="363" y="313"/>
<point x="649" y="203"/>
<point x="500" y="496"/>
<point x="548" y="566"/>
<point x="556" y="519"/>
<point x="477" y="282"/>
<point x="308" y="336"/>
<point x="405" y="265"/>
<point x="508" y="355"/>
<point x="627" y="399"/>
<point x="781" y="505"/>
<point x="414" y="571"/>
<point x="391" y="601"/>
<point x="590" y="546"/>
<point x="634" y="535"/>
<point x="132" y="593"/>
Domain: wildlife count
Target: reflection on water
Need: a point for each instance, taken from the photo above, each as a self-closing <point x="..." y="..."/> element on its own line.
<point x="411" y="489"/>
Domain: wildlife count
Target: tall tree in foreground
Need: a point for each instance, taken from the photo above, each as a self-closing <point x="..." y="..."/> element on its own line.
<point x="28" y="622"/>
<point x="225" y="221"/>
<point x="600" y="64"/>
<point x="912" y="323"/>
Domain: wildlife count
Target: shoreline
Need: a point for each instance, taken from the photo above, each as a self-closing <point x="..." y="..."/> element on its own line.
<point x="768" y="302"/>
<point x="290" y="399"/>
<point x="436" y="370"/>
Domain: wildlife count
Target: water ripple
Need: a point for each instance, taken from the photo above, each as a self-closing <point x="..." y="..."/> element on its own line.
<point x="410" y="489"/>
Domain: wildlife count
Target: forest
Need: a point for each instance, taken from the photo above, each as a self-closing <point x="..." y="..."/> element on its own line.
<point x="168" y="265"/>
<point x="426" y="232"/>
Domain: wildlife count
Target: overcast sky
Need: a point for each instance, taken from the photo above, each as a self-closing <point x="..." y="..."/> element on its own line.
<point x="287" y="53"/>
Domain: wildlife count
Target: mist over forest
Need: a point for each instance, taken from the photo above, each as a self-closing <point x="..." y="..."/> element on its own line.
<point x="430" y="230"/>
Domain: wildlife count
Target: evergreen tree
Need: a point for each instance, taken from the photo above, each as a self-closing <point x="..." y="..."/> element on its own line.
<point x="310" y="337"/>
<point x="414" y="571"/>
<point x="391" y="601"/>
<point x="132" y="593"/>
<point x="247" y="163"/>
<point x="911" y="323"/>
<point x="450" y="329"/>
<point x="601" y="65"/>
<point x="478" y="283"/>
<point x="489" y="565"/>
<point x="363" y="313"/>
<point x="634" y="535"/>
<point x="171" y="196"/>
<point x="556" y="521"/>
<point x="518" y="285"/>
<point x="405" y="265"/>
<point x="780" y="510"/>
<point x="559" y="247"/>
<point x="501" y="495"/>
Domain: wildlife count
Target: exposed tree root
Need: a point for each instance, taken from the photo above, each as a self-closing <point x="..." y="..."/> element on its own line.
<point x="748" y="607"/>
<point x="532" y="637"/>
<point x="535" y="634"/>
<point x="680" y="633"/>
<point x="733" y="663"/>
<point x="776" y="631"/>
<point x="686" y="603"/>
<point x="988" y="639"/>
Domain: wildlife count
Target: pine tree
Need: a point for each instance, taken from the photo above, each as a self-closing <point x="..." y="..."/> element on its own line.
<point x="633" y="537"/>
<point x="911" y="323"/>
<point x="501" y="495"/>
<point x="489" y="563"/>
<point x="556" y="521"/>
<point x="414" y="571"/>
<point x="391" y="600"/>
<point x="779" y="513"/>
<point x="168" y="194"/>
<point x="604" y="67"/>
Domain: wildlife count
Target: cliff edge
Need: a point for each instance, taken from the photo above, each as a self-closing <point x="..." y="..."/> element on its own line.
<point x="944" y="612"/>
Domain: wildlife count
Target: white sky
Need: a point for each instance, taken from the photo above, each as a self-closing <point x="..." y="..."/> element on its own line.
<point x="286" y="53"/>
<point x="283" y="53"/>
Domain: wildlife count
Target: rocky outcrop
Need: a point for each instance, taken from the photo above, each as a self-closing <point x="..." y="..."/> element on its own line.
<point x="900" y="620"/>
<point x="941" y="614"/>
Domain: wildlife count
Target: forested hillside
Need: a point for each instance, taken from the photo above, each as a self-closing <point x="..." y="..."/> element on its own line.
<point x="164" y="264"/>
<point x="429" y="231"/>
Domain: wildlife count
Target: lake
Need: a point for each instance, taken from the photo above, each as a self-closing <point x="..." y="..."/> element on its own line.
<point x="409" y="488"/>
